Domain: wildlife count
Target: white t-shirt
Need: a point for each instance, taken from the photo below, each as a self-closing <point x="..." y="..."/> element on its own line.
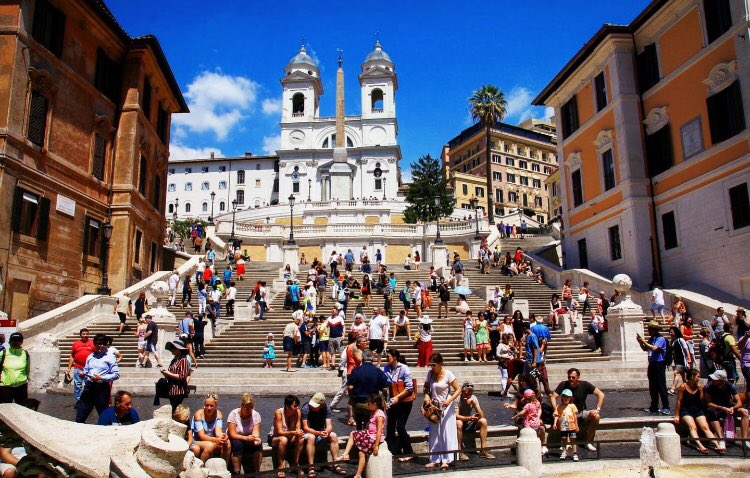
<point x="231" y="293"/>
<point x="244" y="427"/>
<point x="658" y="296"/>
<point x="376" y="327"/>
<point x="173" y="280"/>
<point x="362" y="254"/>
<point x="201" y="266"/>
<point x="216" y="295"/>
<point x="417" y="294"/>
<point x="262" y="294"/>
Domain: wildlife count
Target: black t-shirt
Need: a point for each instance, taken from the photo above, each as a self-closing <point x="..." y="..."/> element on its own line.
<point x="316" y="419"/>
<point x="583" y="390"/>
<point x="140" y="306"/>
<point x="199" y="325"/>
<point x="154" y="337"/>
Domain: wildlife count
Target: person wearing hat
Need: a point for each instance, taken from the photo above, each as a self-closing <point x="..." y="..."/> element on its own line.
<point x="722" y="400"/>
<point x="656" y="347"/>
<point x="100" y="371"/>
<point x="177" y="373"/>
<point x="470" y="418"/>
<point x="424" y="341"/>
<point x="15" y="366"/>
<point x="566" y="420"/>
<point x="318" y="428"/>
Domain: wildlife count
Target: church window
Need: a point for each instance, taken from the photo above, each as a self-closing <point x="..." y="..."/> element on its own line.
<point x="187" y="208"/>
<point x="298" y="104"/>
<point x="377" y="100"/>
<point x="241" y="176"/>
<point x="295" y="187"/>
<point x="240" y="197"/>
<point x="204" y="207"/>
<point x="222" y="206"/>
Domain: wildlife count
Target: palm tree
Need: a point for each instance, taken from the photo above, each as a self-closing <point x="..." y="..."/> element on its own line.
<point x="488" y="107"/>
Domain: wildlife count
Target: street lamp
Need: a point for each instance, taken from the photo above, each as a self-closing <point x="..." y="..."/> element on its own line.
<point x="107" y="231"/>
<point x="384" y="189"/>
<point x="475" y="204"/>
<point x="438" y="239"/>
<point x="234" y="211"/>
<point x="268" y="220"/>
<point x="309" y="188"/>
<point x="291" y="221"/>
<point x="176" y="208"/>
<point x="211" y="218"/>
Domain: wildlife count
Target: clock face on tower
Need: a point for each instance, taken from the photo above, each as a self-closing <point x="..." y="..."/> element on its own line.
<point x="295" y="176"/>
<point x="296" y="137"/>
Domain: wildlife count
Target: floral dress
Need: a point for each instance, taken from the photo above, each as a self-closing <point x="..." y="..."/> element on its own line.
<point x="532" y="415"/>
<point x="483" y="336"/>
<point x="365" y="439"/>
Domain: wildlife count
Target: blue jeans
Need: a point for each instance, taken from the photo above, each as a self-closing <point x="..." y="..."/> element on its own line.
<point x="263" y="306"/>
<point x="77" y="384"/>
<point x="217" y="308"/>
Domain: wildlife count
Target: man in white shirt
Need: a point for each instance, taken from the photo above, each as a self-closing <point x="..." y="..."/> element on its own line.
<point x="657" y="303"/>
<point x="363" y="254"/>
<point x="216" y="301"/>
<point x="401" y="323"/>
<point x="231" y="293"/>
<point x="172" y="281"/>
<point x="378" y="333"/>
<point x="199" y="270"/>
<point x="497" y="294"/>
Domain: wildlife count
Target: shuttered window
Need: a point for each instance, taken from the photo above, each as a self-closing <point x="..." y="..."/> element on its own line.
<point x="30" y="214"/>
<point x="739" y="201"/>
<point x="569" y="112"/>
<point x="648" y="67"/>
<point x="107" y="76"/>
<point x="157" y="192"/>
<point x="726" y="117"/>
<point x="38" y="108"/>
<point x="49" y="27"/>
<point x="615" y="249"/>
<point x="575" y="179"/>
<point x="100" y="152"/>
<point x="142" y="176"/>
<point x="146" y="101"/>
<point x="669" y="228"/>
<point x="659" y="151"/>
<point x="92" y="237"/>
<point x="718" y="18"/>
<point x="600" y="87"/>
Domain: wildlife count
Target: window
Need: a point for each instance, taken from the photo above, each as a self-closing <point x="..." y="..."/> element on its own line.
<point x="479" y="192"/>
<point x="726" y="117"/>
<point x="535" y="167"/>
<point x="146" y="100"/>
<point x="659" y="151"/>
<point x="188" y="186"/>
<point x="465" y="189"/>
<point x="38" y="108"/>
<point x="496" y="158"/>
<point x="107" y="76"/>
<point x="510" y="161"/>
<point x="376" y="98"/>
<point x="718" y="18"/>
<point x="498" y="195"/>
<point x="170" y="171"/>
<point x="241" y="176"/>
<point x="538" y="201"/>
<point x="544" y="157"/>
<point x="523" y="164"/>
<point x="49" y="27"/>
<point x="240" y="197"/>
<point x="222" y="184"/>
<point x="171" y="187"/>
<point x="257" y="203"/>
<point x="204" y="207"/>
<point x="540" y="219"/>
<point x="575" y="179"/>
<point x="142" y="174"/>
<point x="295" y="187"/>
<point x="547" y="170"/>
<point x="30" y="214"/>
<point x="162" y="125"/>
<point x="100" y="152"/>
<point x="537" y="183"/>
<point x="137" y="245"/>
<point x="569" y="112"/>
<point x="496" y="176"/>
<point x="525" y="200"/>
<point x="600" y="90"/>
<point x="615" y="252"/>
<point x="156" y="201"/>
<point x="222" y="206"/>
<point x="257" y="168"/>
<point x="739" y="202"/>
<point x="378" y="184"/>
<point x="204" y="169"/>
<point x="222" y="169"/>
<point x="153" y="257"/>
<point x="257" y="183"/>
<point x="91" y="236"/>
<point x="298" y="104"/>
<point x="187" y="207"/>
<point x="583" y="255"/>
<point x="512" y="196"/>
<point x="521" y="151"/>
<point x="170" y="208"/>
<point x="648" y="67"/>
<point x="532" y="153"/>
<point x="523" y="180"/>
<point x="499" y="211"/>
<point x="670" y="230"/>
<point x="608" y="170"/>
<point x="506" y="148"/>
<point x="511" y="178"/>
<point x="275" y="185"/>
<point x="204" y="186"/>
<point x="188" y="170"/>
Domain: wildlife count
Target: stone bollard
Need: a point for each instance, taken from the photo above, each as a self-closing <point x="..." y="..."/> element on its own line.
<point x="529" y="452"/>
<point x="45" y="363"/>
<point x="668" y="444"/>
<point x="380" y="466"/>
<point x="217" y="468"/>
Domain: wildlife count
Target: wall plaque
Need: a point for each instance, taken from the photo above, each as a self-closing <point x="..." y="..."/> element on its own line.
<point x="65" y="205"/>
<point x="692" y="138"/>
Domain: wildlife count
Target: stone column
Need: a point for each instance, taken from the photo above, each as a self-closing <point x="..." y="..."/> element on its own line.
<point x="45" y="363"/>
<point x="439" y="257"/>
<point x="624" y="321"/>
<point x="668" y="444"/>
<point x="474" y="250"/>
<point x="291" y="256"/>
<point x="380" y="466"/>
<point x="529" y="451"/>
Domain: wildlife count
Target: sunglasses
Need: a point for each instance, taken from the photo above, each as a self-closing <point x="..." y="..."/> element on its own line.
<point x="431" y="364"/>
<point x="572" y="377"/>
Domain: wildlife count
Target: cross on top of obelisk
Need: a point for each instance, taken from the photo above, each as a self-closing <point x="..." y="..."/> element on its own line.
<point x="341" y="57"/>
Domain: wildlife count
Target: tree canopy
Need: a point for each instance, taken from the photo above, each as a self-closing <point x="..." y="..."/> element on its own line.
<point x="428" y="182"/>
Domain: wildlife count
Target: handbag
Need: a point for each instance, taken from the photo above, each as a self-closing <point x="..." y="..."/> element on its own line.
<point x="162" y="388"/>
<point x="582" y="297"/>
<point x="431" y="412"/>
<point x="399" y="386"/>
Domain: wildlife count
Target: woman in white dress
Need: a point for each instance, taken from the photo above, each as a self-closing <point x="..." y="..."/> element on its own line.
<point x="441" y="388"/>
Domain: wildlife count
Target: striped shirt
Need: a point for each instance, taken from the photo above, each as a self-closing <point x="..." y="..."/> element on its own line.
<point x="181" y="367"/>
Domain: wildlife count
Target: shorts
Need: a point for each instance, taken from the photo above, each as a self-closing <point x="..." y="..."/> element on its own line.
<point x="714" y="415"/>
<point x="469" y="426"/>
<point x="470" y="341"/>
<point x="377" y="346"/>
<point x="323" y="346"/>
<point x="657" y="308"/>
<point x="151" y="347"/>
<point x="318" y="439"/>
<point x="568" y="434"/>
<point x="123" y="317"/>
<point x="240" y="448"/>
<point x="694" y="412"/>
<point x="584" y="414"/>
<point x="288" y="344"/>
<point x="141" y="346"/>
<point x="5" y="467"/>
<point x="305" y="348"/>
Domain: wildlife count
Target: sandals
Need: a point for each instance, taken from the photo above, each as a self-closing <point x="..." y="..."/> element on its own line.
<point x="351" y="422"/>
<point x="338" y="470"/>
<point x="670" y="391"/>
<point x="444" y="467"/>
<point x="311" y="472"/>
<point x="432" y="465"/>
<point x="405" y="459"/>
<point x="281" y="474"/>
<point x="342" y="458"/>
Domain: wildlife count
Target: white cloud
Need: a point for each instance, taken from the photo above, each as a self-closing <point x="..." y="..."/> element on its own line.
<point x="180" y="151"/>
<point x="217" y="102"/>
<point x="519" y="104"/>
<point x="549" y="112"/>
<point x="406" y="174"/>
<point x="271" y="106"/>
<point x="271" y="144"/>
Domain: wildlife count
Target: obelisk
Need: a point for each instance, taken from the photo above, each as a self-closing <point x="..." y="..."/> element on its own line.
<point x="341" y="173"/>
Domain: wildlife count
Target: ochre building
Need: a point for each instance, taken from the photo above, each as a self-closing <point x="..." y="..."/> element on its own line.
<point x="84" y="131"/>
<point x="652" y="123"/>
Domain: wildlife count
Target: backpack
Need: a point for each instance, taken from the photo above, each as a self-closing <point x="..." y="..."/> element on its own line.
<point x="717" y="348"/>
<point x="669" y="355"/>
<point x="342" y="295"/>
<point x="402" y="295"/>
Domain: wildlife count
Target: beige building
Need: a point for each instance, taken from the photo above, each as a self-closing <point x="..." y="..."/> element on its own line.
<point x="555" y="194"/>
<point x="521" y="161"/>
<point x="467" y="187"/>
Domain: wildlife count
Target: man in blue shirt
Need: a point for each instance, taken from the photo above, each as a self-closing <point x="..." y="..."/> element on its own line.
<point x="294" y="293"/>
<point x="349" y="260"/>
<point x="534" y="355"/>
<point x="656" y="347"/>
<point x="543" y="336"/>
<point x="100" y="371"/>
<point x="122" y="413"/>
<point x="365" y="380"/>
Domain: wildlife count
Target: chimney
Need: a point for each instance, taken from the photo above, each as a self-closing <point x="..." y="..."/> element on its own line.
<point x="212" y="155"/>
<point x="248" y="154"/>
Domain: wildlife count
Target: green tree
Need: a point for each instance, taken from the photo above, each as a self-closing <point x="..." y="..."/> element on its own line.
<point x="182" y="226"/>
<point x="487" y="106"/>
<point x="428" y="182"/>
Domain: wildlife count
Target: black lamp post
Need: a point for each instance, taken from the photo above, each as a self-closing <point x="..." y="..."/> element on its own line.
<point x="211" y="218"/>
<point x="107" y="231"/>
<point x="268" y="220"/>
<point x="383" y="189"/>
<point x="291" y="221"/>
<point x="234" y="211"/>
<point x="438" y="239"/>
<point x="309" y="188"/>
<point x="176" y="208"/>
<point x="475" y="204"/>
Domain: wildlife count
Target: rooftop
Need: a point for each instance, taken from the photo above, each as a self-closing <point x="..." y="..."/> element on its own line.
<point x="503" y="128"/>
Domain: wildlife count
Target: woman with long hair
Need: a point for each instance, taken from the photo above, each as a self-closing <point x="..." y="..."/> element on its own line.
<point x="682" y="356"/>
<point x="689" y="409"/>
<point x="441" y="389"/>
<point x="517" y="323"/>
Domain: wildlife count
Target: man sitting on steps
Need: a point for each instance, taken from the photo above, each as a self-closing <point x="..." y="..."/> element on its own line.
<point x="470" y="418"/>
<point x="581" y="390"/>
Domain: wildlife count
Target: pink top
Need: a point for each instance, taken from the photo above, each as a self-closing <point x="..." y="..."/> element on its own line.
<point x="372" y="428"/>
<point x="532" y="414"/>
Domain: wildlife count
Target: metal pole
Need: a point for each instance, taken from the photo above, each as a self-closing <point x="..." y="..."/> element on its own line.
<point x="234" y="210"/>
<point x="211" y="220"/>
<point x="104" y="289"/>
<point x="291" y="224"/>
<point x="385" y="198"/>
<point x="438" y="239"/>
<point x="476" y="219"/>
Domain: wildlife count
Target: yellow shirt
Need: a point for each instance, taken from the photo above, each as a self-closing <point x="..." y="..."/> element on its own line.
<point x="15" y="367"/>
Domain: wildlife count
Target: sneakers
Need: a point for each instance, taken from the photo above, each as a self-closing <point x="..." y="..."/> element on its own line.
<point x="649" y="411"/>
<point x="564" y="455"/>
<point x="665" y="411"/>
<point x="466" y="359"/>
<point x="590" y="447"/>
<point x="545" y="450"/>
<point x="722" y="445"/>
<point x="575" y="457"/>
<point x="463" y="457"/>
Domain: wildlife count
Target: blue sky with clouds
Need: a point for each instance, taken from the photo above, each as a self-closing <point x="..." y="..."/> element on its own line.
<point x="228" y="57"/>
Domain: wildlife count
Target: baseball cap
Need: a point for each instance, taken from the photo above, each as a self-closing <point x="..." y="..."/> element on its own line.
<point x="467" y="385"/>
<point x="317" y="400"/>
<point x="567" y="393"/>
<point x="15" y="337"/>
<point x="717" y="375"/>
<point x="528" y="393"/>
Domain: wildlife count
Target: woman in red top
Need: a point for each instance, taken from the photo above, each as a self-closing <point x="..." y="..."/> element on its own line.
<point x="177" y="373"/>
<point x="519" y="255"/>
<point x="207" y="275"/>
<point x="567" y="293"/>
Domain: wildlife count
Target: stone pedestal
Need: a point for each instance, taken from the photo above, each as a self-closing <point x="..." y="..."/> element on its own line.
<point x="567" y="327"/>
<point x="668" y="444"/>
<point x="624" y="321"/>
<point x="45" y="363"/>
<point x="529" y="451"/>
<point x="291" y="256"/>
<point x="518" y="304"/>
<point x="380" y="466"/>
<point x="474" y="250"/>
<point x="439" y="256"/>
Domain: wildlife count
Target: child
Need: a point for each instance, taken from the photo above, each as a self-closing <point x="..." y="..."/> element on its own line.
<point x="567" y="422"/>
<point x="268" y="352"/>
<point x="368" y="440"/>
<point x="202" y="296"/>
<point x="532" y="417"/>
<point x="140" y="332"/>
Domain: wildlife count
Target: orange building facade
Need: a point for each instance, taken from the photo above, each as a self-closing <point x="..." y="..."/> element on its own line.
<point x="84" y="132"/>
<point x="651" y="122"/>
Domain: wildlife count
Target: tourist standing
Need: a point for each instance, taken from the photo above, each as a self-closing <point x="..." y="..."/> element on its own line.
<point x="187" y="291"/>
<point x="469" y="336"/>
<point x="100" y="371"/>
<point x="656" y="347"/>
<point x="363" y="381"/>
<point x="657" y="303"/>
<point x="441" y="390"/>
<point x="141" y="305"/>
<point x="123" y="308"/>
<point x="424" y="341"/>
<point x="378" y="334"/>
<point x="79" y="352"/>
<point x="152" y="339"/>
<point x="15" y="366"/>
<point x="177" y="373"/>
<point x="231" y="294"/>
<point x="544" y="336"/>
<point x="172" y="281"/>
<point x="401" y="399"/>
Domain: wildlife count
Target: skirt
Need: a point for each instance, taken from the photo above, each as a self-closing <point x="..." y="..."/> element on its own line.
<point x="364" y="441"/>
<point x="425" y="351"/>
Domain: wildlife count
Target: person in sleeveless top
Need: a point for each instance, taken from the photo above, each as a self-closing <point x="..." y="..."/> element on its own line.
<point x="208" y="431"/>
<point x="286" y="430"/>
<point x="689" y="409"/>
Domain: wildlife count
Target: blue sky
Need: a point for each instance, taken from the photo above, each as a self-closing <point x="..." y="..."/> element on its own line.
<point x="228" y="57"/>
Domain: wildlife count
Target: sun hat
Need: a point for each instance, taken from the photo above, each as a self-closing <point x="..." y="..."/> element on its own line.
<point x="176" y="344"/>
<point x="567" y="393"/>
<point x="718" y="375"/>
<point x="425" y="319"/>
<point x="317" y="400"/>
<point x="528" y="393"/>
<point x="653" y="324"/>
